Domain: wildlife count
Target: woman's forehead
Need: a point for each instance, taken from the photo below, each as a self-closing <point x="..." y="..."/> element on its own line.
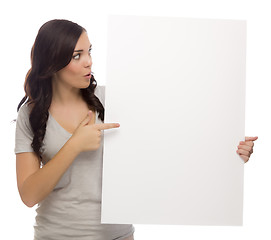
<point x="83" y="42"/>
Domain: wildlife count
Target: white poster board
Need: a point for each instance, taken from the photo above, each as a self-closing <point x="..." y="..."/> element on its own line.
<point x="177" y="88"/>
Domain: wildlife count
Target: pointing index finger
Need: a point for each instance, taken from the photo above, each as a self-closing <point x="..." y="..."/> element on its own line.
<point x="103" y="126"/>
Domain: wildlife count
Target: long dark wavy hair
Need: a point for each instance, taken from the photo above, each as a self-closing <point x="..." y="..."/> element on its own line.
<point x="52" y="50"/>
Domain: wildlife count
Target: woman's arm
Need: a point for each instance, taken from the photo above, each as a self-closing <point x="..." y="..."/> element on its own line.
<point x="35" y="183"/>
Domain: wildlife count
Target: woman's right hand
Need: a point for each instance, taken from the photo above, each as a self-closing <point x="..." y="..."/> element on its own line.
<point x="87" y="136"/>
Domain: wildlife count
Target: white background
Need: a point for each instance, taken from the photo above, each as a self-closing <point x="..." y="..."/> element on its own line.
<point x="19" y="23"/>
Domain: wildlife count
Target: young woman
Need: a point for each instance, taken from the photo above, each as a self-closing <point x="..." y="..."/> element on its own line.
<point x="60" y="128"/>
<point x="59" y="138"/>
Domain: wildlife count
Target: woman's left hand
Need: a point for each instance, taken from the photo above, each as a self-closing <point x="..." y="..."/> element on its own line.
<point x="245" y="148"/>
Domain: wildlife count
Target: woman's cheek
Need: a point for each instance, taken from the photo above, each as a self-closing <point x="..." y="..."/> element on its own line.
<point x="72" y="69"/>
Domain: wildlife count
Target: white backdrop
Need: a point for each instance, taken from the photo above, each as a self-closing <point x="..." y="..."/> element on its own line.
<point x="20" y="21"/>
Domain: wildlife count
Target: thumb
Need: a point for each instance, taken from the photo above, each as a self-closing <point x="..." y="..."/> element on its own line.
<point x="91" y="118"/>
<point x="251" y="138"/>
<point x="87" y="119"/>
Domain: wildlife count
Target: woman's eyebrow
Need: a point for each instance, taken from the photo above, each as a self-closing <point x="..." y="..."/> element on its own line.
<point x="81" y="50"/>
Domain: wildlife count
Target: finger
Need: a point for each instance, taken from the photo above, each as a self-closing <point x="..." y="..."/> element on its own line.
<point x="245" y="147"/>
<point x="103" y="126"/>
<point x="86" y="119"/>
<point x="248" y="143"/>
<point x="245" y="158"/>
<point x="243" y="152"/>
<point x="251" y="138"/>
<point x="92" y="118"/>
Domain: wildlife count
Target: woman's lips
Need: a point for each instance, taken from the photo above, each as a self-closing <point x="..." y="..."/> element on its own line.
<point x="87" y="75"/>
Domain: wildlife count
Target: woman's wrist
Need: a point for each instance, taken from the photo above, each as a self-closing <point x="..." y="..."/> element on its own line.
<point x="71" y="144"/>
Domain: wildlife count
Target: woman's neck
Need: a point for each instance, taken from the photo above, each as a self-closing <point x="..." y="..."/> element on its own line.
<point x="65" y="95"/>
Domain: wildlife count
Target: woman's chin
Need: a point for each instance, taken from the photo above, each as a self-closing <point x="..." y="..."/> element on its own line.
<point x="85" y="85"/>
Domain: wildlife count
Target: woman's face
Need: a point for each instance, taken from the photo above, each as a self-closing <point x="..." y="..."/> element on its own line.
<point x="77" y="73"/>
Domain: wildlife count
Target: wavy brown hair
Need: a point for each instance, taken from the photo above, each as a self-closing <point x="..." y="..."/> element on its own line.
<point x="52" y="50"/>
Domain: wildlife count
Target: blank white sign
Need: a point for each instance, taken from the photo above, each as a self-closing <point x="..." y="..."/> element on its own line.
<point x="177" y="88"/>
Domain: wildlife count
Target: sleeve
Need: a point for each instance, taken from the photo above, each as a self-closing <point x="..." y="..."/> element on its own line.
<point x="23" y="132"/>
<point x="100" y="93"/>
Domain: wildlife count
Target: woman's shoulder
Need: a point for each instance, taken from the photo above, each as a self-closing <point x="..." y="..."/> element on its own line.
<point x="24" y="110"/>
<point x="99" y="89"/>
<point x="22" y="121"/>
<point x="100" y="93"/>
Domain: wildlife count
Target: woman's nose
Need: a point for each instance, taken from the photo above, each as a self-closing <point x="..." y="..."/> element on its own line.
<point x="88" y="61"/>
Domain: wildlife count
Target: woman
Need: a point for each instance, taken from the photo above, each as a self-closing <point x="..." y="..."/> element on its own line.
<point x="60" y="128"/>
<point x="56" y="129"/>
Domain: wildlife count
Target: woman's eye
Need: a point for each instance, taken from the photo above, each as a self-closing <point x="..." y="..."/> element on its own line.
<point x="76" y="57"/>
